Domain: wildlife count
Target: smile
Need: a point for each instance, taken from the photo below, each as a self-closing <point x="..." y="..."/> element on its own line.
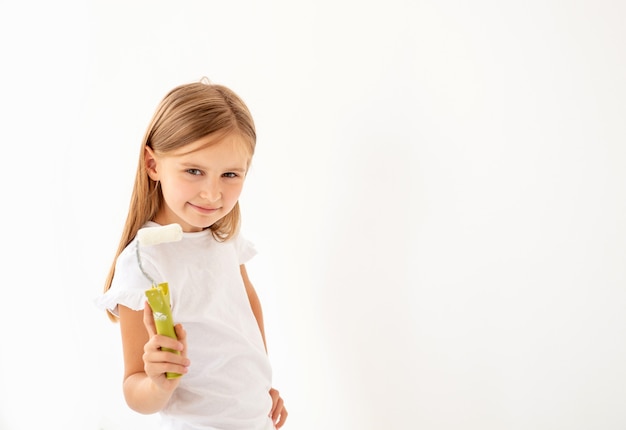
<point x="204" y="210"/>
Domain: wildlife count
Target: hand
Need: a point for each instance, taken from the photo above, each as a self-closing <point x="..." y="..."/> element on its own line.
<point x="278" y="414"/>
<point x="157" y="361"/>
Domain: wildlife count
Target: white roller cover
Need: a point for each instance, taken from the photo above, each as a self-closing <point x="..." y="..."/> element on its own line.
<point x="155" y="235"/>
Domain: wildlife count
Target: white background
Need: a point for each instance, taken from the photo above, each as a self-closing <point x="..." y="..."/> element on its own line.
<point x="438" y="199"/>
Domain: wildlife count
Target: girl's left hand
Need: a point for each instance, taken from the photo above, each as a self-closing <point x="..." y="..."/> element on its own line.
<point x="278" y="414"/>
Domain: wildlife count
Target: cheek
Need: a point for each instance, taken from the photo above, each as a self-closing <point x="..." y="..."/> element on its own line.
<point x="233" y="193"/>
<point x="175" y="190"/>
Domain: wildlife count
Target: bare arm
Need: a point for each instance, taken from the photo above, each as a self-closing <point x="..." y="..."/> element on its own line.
<point x="146" y="388"/>
<point x="278" y="413"/>
<point x="255" y="303"/>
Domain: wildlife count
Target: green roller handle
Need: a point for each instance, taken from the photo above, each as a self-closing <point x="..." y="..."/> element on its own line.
<point x="159" y="300"/>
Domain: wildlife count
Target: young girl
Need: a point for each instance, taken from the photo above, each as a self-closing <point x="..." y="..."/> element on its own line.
<point x="192" y="166"/>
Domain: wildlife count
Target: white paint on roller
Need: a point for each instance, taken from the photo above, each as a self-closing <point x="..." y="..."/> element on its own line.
<point x="154" y="235"/>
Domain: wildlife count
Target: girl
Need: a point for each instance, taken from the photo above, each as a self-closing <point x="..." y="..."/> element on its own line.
<point x="192" y="166"/>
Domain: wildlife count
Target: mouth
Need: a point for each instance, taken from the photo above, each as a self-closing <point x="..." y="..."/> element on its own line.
<point x="204" y="210"/>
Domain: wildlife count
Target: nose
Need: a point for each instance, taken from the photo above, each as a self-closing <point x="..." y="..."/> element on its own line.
<point x="211" y="190"/>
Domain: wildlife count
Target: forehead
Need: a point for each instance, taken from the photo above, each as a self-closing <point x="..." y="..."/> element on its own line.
<point x="233" y="143"/>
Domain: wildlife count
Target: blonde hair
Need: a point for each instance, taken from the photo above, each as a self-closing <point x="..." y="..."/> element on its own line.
<point x="186" y="114"/>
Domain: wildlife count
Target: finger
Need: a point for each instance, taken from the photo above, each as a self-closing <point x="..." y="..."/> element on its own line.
<point x="160" y="341"/>
<point x="278" y="407"/>
<point x="163" y="355"/>
<point x="283" y="418"/>
<point x="157" y="361"/>
<point x="181" y="335"/>
<point x="148" y="320"/>
<point x="275" y="396"/>
<point x="158" y="370"/>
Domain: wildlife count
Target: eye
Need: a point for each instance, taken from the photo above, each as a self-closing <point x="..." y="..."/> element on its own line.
<point x="230" y="175"/>
<point x="194" y="172"/>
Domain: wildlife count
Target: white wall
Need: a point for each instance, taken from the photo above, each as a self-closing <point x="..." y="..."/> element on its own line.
<point x="437" y="198"/>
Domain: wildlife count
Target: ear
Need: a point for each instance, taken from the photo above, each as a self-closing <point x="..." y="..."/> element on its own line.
<point x="151" y="163"/>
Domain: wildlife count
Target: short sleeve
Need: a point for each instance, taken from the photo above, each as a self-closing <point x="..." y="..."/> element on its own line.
<point x="244" y="248"/>
<point x="129" y="283"/>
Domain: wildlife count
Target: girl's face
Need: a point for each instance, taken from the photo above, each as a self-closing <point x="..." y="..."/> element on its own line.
<point x="200" y="183"/>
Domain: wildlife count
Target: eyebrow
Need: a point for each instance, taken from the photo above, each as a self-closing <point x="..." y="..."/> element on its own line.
<point x="236" y="169"/>
<point x="196" y="166"/>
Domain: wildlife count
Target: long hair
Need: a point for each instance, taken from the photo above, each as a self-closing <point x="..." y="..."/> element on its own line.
<point x="186" y="114"/>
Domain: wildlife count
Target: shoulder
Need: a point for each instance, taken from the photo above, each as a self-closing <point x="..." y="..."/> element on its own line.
<point x="128" y="254"/>
<point x="244" y="248"/>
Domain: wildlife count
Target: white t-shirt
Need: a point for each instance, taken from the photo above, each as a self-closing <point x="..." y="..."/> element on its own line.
<point x="228" y="383"/>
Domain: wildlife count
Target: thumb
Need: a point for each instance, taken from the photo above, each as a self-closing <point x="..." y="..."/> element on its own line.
<point x="148" y="320"/>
